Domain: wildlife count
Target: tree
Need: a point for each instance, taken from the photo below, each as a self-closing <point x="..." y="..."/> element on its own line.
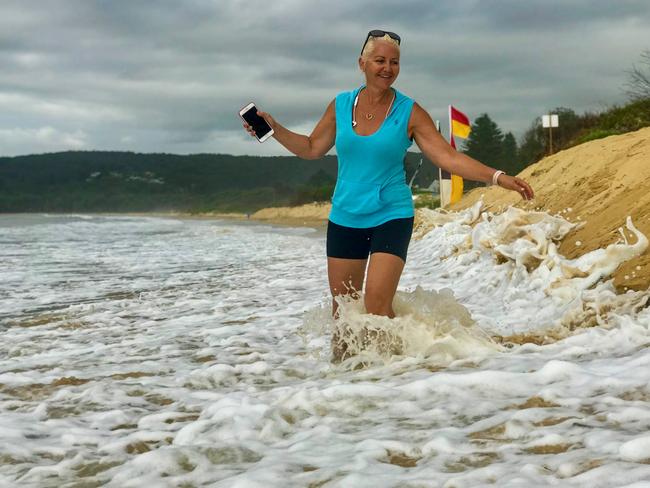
<point x="638" y="84"/>
<point x="320" y="178"/>
<point x="484" y="143"/>
<point x="485" y="140"/>
<point x="570" y="125"/>
<point x="508" y="161"/>
<point x="533" y="144"/>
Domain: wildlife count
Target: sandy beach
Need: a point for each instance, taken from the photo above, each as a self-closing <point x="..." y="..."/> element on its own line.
<point x="311" y="215"/>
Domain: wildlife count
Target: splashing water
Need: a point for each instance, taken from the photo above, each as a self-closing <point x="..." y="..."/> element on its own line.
<point x="164" y="352"/>
<point x="428" y="324"/>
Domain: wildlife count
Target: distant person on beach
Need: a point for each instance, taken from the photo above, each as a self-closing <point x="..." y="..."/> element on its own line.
<point x="371" y="220"/>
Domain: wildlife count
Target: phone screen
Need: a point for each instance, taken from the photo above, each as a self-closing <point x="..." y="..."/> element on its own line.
<point x="258" y="124"/>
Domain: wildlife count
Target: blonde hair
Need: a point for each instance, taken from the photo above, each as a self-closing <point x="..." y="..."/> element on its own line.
<point x="370" y="45"/>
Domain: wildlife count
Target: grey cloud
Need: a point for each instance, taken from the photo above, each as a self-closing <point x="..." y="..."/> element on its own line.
<point x="171" y="75"/>
<point x="557" y="15"/>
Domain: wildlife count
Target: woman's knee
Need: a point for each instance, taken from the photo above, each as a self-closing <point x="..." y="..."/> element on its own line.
<point x="378" y="303"/>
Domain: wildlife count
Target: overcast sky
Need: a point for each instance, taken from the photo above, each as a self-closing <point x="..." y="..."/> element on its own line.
<point x="170" y="76"/>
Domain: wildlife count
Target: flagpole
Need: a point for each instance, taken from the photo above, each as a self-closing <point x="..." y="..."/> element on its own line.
<point x="450" y="127"/>
<point x="459" y="126"/>
<point x="441" y="186"/>
<point x="448" y="186"/>
<point x="447" y="200"/>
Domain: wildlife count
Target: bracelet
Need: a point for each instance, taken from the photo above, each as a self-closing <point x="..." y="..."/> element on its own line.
<point x="495" y="176"/>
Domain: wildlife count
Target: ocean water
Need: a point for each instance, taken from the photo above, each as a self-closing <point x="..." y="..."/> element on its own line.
<point x="145" y="351"/>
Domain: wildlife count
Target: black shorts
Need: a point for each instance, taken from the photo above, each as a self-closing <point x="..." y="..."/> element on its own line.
<point x="391" y="237"/>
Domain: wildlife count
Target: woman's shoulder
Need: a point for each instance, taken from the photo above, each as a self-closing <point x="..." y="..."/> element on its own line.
<point x="403" y="102"/>
<point x="344" y="100"/>
<point x="349" y="93"/>
<point x="402" y="96"/>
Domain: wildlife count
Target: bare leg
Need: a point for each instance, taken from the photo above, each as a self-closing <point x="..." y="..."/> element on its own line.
<point x="384" y="272"/>
<point x="345" y="278"/>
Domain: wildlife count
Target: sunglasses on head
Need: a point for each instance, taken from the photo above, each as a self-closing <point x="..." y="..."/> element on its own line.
<point x="381" y="33"/>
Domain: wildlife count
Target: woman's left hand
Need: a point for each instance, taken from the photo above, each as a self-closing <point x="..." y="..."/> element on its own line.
<point x="516" y="184"/>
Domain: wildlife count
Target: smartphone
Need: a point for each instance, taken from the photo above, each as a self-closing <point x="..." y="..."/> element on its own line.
<point x="262" y="129"/>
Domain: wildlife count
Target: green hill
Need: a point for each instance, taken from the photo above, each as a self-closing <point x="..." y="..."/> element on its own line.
<point x="97" y="181"/>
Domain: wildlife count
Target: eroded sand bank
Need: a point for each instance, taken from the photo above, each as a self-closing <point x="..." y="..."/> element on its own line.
<point x="599" y="184"/>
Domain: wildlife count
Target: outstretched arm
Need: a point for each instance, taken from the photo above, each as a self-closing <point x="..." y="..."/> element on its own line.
<point x="435" y="148"/>
<point x="313" y="146"/>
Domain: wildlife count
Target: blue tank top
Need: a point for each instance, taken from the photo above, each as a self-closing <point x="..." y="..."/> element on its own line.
<point x="371" y="185"/>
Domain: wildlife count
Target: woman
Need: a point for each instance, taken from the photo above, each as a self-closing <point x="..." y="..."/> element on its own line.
<point x="372" y="209"/>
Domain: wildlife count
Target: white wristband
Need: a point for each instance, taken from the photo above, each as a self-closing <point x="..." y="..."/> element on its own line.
<point x="495" y="176"/>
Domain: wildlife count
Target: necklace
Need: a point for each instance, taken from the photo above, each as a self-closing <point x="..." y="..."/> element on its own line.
<point x="369" y="116"/>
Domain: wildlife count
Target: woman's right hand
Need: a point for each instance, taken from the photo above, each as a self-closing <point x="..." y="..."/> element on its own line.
<point x="516" y="184"/>
<point x="267" y="117"/>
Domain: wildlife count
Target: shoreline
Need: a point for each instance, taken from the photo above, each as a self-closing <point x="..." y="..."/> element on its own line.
<point x="282" y="219"/>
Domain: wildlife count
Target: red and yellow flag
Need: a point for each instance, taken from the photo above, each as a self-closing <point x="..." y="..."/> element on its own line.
<point x="456" y="181"/>
<point x="460" y="125"/>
